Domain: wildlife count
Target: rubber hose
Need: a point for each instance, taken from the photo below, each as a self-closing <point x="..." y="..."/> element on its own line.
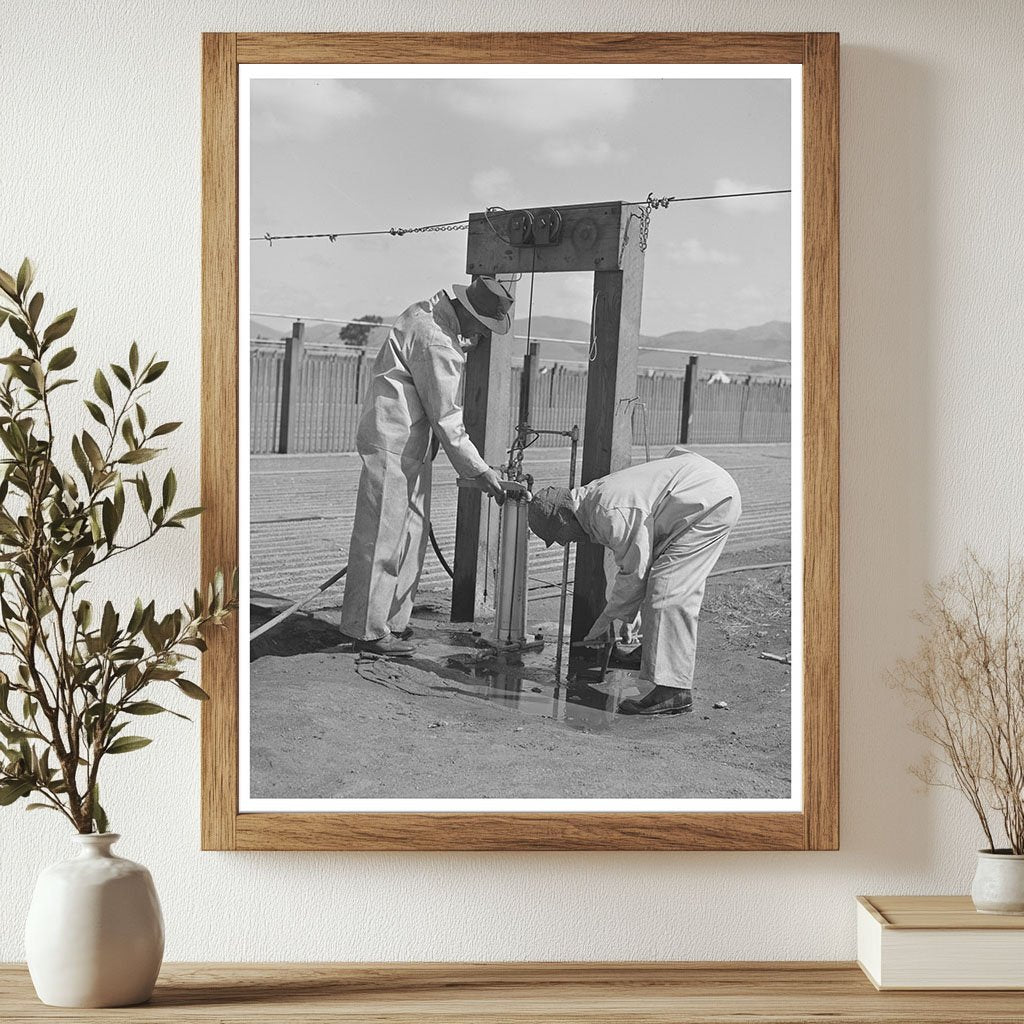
<point x="437" y="551"/>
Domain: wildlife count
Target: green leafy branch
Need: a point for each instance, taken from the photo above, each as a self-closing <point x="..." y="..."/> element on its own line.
<point x="81" y="674"/>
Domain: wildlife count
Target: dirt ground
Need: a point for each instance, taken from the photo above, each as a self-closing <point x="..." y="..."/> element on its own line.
<point x="456" y="721"/>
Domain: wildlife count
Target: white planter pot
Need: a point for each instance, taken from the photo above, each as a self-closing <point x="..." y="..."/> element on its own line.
<point x="95" y="934"/>
<point x="999" y="883"/>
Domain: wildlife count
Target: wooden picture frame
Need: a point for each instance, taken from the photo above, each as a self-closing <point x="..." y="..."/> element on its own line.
<point x="816" y="826"/>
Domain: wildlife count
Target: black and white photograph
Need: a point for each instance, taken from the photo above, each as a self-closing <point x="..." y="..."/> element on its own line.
<point x="518" y="394"/>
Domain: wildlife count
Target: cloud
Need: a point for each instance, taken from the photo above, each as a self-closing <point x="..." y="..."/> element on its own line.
<point x="692" y="250"/>
<point x="570" y="152"/>
<point x="539" y="105"/>
<point x="286" y="110"/>
<point x="748" y="204"/>
<point x="492" y="185"/>
<point x="755" y="304"/>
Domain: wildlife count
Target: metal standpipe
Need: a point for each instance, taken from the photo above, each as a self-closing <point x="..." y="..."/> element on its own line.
<point x="510" y="597"/>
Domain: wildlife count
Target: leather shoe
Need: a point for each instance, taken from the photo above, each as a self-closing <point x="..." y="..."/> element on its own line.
<point x="679" y="702"/>
<point x="386" y="646"/>
<point x="405" y="634"/>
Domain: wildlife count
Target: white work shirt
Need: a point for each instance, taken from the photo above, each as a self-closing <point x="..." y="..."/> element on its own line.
<point x="414" y="389"/>
<point x="637" y="512"/>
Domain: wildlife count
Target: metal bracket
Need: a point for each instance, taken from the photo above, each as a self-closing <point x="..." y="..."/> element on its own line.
<point x="520" y="227"/>
<point x="532" y="228"/>
<point x="547" y="227"/>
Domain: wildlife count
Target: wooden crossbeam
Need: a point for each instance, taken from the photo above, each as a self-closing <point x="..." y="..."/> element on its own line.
<point x="589" y="240"/>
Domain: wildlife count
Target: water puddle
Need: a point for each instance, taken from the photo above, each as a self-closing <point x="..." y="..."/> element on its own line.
<point x="522" y="681"/>
<point x="528" y="689"/>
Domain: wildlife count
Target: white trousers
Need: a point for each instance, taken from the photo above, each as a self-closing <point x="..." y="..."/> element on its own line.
<point x="675" y="590"/>
<point x="389" y="541"/>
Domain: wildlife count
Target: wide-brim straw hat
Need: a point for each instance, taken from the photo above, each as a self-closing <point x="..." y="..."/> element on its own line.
<point x="489" y="301"/>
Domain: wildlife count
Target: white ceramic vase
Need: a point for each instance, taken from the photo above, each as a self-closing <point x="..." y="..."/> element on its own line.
<point x="95" y="934"/>
<point x="999" y="883"/>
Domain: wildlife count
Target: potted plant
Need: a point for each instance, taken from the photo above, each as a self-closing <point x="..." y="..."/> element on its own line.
<point x="80" y="671"/>
<point x="967" y="681"/>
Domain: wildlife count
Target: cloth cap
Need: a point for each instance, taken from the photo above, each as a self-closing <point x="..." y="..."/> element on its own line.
<point x="489" y="301"/>
<point x="552" y="517"/>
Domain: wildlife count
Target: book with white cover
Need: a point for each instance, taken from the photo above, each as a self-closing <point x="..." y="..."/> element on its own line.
<point x="938" y="942"/>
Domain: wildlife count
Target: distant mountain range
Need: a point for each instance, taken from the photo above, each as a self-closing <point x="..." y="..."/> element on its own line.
<point x="749" y="347"/>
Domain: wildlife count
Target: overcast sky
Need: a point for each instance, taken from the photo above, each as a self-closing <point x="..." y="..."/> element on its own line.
<point x="356" y="155"/>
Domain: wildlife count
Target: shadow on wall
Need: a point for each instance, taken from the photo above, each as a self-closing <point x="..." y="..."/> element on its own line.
<point x="887" y="296"/>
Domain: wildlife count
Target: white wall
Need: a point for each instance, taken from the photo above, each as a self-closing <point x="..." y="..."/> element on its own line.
<point x="99" y="181"/>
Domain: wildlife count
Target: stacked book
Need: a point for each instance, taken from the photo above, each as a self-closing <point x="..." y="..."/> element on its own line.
<point x="938" y="942"/>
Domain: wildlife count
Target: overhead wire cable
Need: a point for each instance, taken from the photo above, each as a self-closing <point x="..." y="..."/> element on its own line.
<point x="451" y="225"/>
<point x="651" y="202"/>
<point x="666" y="200"/>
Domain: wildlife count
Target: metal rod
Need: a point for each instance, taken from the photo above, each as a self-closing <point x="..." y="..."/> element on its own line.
<point x="556" y="433"/>
<point x="574" y="435"/>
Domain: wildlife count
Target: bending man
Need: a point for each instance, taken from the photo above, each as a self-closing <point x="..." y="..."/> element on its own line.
<point x="665" y="523"/>
<point x="412" y="393"/>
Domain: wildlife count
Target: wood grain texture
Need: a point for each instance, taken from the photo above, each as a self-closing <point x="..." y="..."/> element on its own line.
<point x="219" y="429"/>
<point x="821" y="440"/>
<point x="521" y="48"/>
<point x="525" y="993"/>
<point x="818" y="826"/>
<point x="936" y="912"/>
<point x="520" y="831"/>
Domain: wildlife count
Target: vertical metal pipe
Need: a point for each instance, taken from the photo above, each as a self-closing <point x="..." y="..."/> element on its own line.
<point x="510" y="595"/>
<point x="565" y="565"/>
<point x="528" y="383"/>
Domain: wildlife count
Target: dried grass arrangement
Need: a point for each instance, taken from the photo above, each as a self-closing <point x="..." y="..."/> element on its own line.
<point x="967" y="682"/>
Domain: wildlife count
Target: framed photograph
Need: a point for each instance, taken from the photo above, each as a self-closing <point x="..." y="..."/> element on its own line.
<point x="520" y="359"/>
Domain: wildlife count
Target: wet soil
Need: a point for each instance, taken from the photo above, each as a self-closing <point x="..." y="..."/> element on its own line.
<point x="460" y="720"/>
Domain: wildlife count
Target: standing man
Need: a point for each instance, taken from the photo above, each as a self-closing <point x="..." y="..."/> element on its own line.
<point x="412" y="394"/>
<point x="665" y="523"/>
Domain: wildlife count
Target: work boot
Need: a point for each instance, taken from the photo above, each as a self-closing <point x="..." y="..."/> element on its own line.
<point x="387" y="646"/>
<point x="662" y="700"/>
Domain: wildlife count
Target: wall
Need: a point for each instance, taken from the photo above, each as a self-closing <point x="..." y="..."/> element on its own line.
<point x="99" y="167"/>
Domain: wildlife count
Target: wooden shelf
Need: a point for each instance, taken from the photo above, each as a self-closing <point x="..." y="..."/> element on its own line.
<point x="659" y="993"/>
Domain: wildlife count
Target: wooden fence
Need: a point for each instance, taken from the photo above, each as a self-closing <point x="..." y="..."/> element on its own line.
<point x="321" y="404"/>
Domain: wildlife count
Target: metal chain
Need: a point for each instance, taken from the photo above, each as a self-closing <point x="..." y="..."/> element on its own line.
<point x="455" y="225"/>
<point x="645" y="215"/>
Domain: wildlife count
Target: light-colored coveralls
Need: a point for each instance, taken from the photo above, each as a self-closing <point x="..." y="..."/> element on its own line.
<point x="665" y="523"/>
<point x="413" y="392"/>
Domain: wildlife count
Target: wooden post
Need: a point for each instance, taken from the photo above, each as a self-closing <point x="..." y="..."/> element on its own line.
<point x="359" y="375"/>
<point x="686" y="414"/>
<point x="743" y="407"/>
<point x="611" y="383"/>
<point x="290" y="380"/>
<point x="488" y="369"/>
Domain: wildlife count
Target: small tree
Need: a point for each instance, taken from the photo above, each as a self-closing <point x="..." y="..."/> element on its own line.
<point x="358" y="334"/>
<point x="82" y="672"/>
<point x="967" y="681"/>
